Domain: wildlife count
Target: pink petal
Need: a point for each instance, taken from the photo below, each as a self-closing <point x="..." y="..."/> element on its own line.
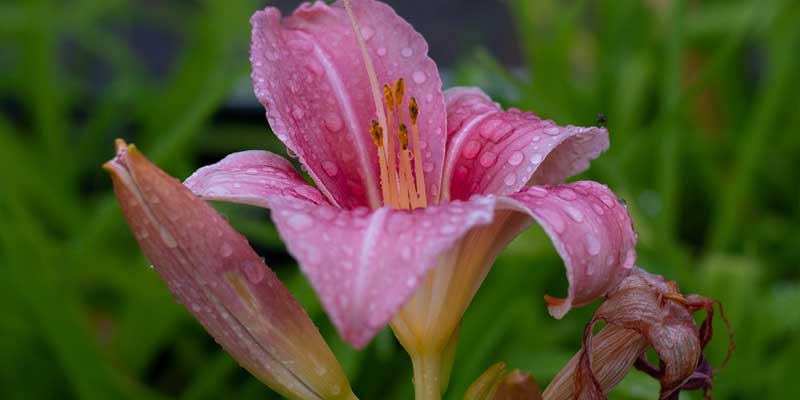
<point x="252" y="177"/>
<point x="309" y="74"/>
<point x="491" y="151"/>
<point x="591" y="231"/>
<point x="213" y="271"/>
<point x="365" y="264"/>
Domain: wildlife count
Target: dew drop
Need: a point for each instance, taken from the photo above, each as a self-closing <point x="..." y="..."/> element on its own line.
<point x="252" y="171"/>
<point x="254" y="271"/>
<point x="471" y="149"/>
<point x="382" y="51"/>
<point x="574" y="213"/>
<point x="298" y="113"/>
<point x="592" y="244"/>
<point x="300" y="221"/>
<point x="333" y="122"/>
<point x="367" y="32"/>
<point x="510" y="179"/>
<point x="410" y="282"/>
<point x="552" y="131"/>
<point x="554" y="220"/>
<point x="488" y="159"/>
<point x="428" y="167"/>
<point x="447" y="229"/>
<point x="536" y="158"/>
<point x="516" y="158"/>
<point x="226" y="250"/>
<point x="567" y="194"/>
<point x="290" y="153"/>
<point x="168" y="239"/>
<point x="420" y="77"/>
<point x="330" y="168"/>
<point x="608" y="201"/>
<point x="405" y="253"/>
<point x="407" y="52"/>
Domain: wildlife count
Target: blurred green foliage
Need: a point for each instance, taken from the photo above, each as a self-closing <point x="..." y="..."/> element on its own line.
<point x="701" y="105"/>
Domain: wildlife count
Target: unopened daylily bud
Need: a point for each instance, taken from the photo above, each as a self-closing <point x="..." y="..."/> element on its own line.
<point x="486" y="385"/>
<point x="498" y="384"/>
<point x="214" y="272"/>
<point x="518" y="385"/>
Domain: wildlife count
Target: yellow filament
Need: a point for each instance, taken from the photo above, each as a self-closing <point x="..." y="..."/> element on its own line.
<point x="413" y="111"/>
<point x="405" y="168"/>
<point x="389" y="142"/>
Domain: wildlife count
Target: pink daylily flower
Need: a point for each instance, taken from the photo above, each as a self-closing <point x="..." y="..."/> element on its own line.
<point x="408" y="178"/>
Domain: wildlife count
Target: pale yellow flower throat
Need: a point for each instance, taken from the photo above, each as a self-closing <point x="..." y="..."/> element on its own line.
<point x="400" y="187"/>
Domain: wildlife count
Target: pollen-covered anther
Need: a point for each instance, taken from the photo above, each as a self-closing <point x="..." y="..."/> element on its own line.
<point x="399" y="91"/>
<point x="413" y="109"/>
<point x="376" y="131"/>
<point x="403" y="136"/>
<point x="388" y="97"/>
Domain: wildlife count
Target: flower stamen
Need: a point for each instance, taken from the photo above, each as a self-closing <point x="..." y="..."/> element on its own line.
<point x="402" y="184"/>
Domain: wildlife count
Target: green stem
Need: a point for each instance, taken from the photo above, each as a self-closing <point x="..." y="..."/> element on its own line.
<point x="427" y="371"/>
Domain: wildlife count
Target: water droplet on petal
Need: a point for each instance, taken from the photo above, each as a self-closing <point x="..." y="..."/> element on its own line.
<point x="333" y="122"/>
<point x="608" y="201"/>
<point x="407" y="52"/>
<point x="330" y="168"/>
<point x="298" y="113"/>
<point x="254" y="271"/>
<point x="290" y="153"/>
<point x="510" y="179"/>
<point x="516" y="158"/>
<point x="488" y="159"/>
<point x="555" y="220"/>
<point x="471" y="149"/>
<point x="536" y="158"/>
<point x="552" y="131"/>
<point x="428" y="167"/>
<point x="367" y="32"/>
<point x="420" y="77"/>
<point x="300" y="221"/>
<point x="447" y="229"/>
<point x="382" y="51"/>
<point x="592" y="244"/>
<point x="226" y="250"/>
<point x="574" y="213"/>
<point x="567" y="194"/>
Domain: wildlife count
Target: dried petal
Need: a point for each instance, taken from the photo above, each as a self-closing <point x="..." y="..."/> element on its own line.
<point x="648" y="309"/>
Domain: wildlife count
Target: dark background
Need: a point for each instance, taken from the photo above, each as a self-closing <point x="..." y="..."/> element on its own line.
<point x="701" y="100"/>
